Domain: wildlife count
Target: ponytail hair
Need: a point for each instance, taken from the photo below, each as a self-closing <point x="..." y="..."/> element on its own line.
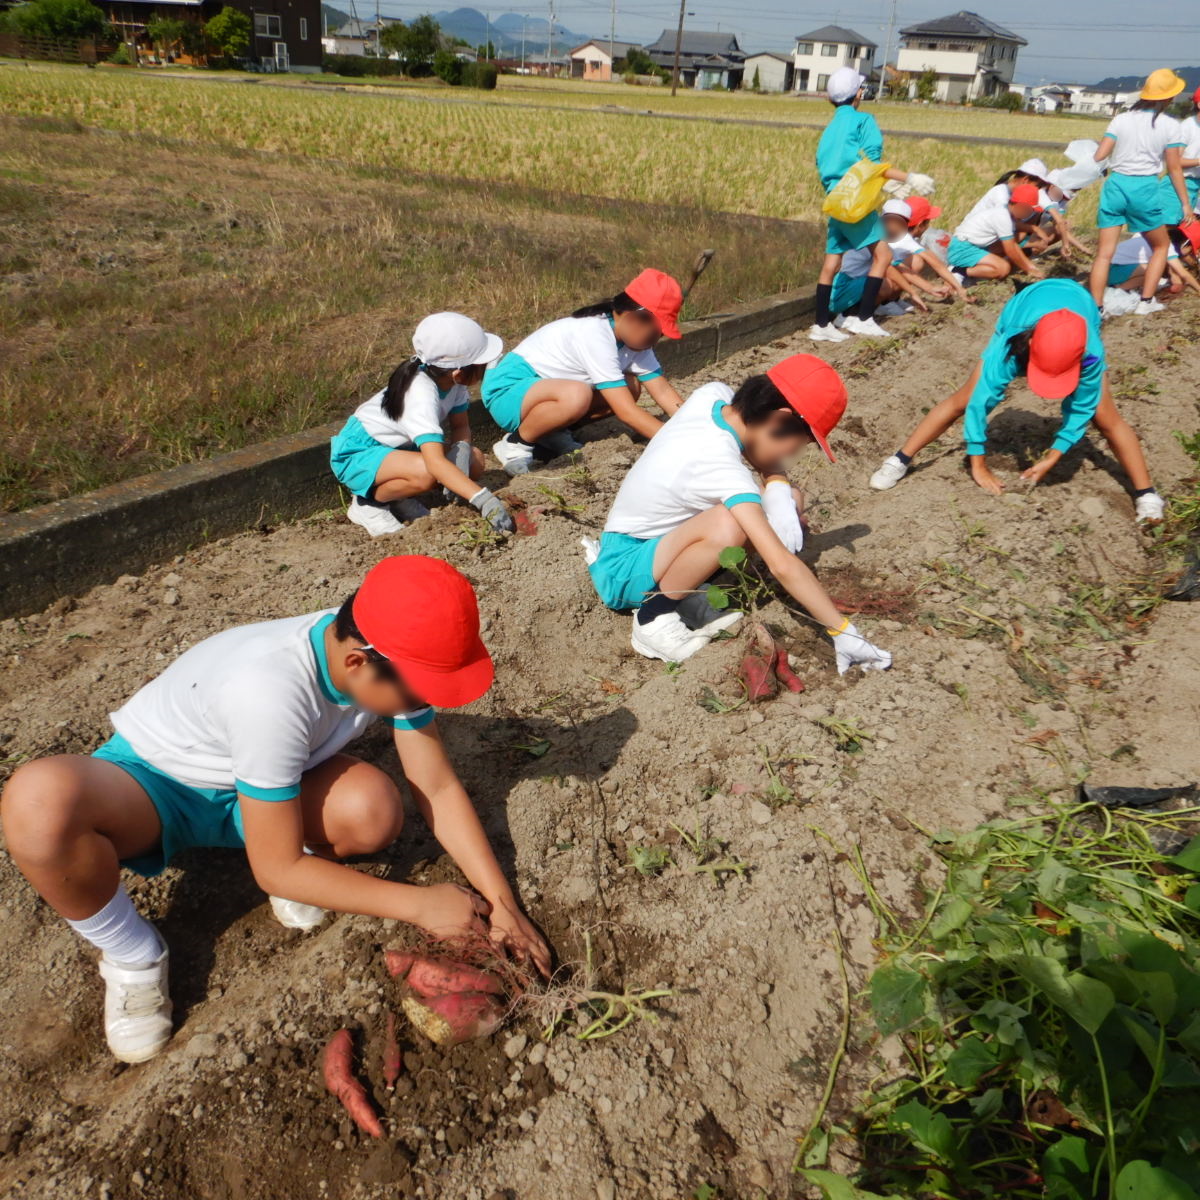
<point x="1005" y="178"/>
<point x="401" y="380"/>
<point x="1157" y="107"/>
<point x="620" y="303"/>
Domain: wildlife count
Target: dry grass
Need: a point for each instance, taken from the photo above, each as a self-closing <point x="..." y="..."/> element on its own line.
<point x="160" y="303"/>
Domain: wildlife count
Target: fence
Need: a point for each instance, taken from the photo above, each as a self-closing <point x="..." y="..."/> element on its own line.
<point x="88" y="50"/>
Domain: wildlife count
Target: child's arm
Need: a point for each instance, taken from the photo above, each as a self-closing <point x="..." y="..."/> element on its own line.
<point x="907" y="285"/>
<point x="1020" y="260"/>
<point x="662" y="391"/>
<point x="1108" y="142"/>
<point x="452" y="819"/>
<point x="625" y="409"/>
<point x="459" y="427"/>
<point x="433" y="455"/>
<point x="1173" y="157"/>
<point x="1183" y="275"/>
<point x="943" y="272"/>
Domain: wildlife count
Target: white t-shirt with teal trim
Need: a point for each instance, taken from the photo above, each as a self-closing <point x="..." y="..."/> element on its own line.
<point x="983" y="226"/>
<point x="250" y="709"/>
<point x="1135" y="252"/>
<point x="692" y="464"/>
<point x="1189" y="128"/>
<point x="585" y="349"/>
<point x="1140" y="141"/>
<point x="426" y="411"/>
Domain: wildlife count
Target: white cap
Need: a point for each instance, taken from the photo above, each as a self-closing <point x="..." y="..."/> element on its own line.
<point x="898" y="208"/>
<point x="450" y="340"/>
<point x="1034" y="167"/>
<point x="844" y="84"/>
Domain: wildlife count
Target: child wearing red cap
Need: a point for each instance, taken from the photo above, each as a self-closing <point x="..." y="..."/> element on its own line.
<point x="911" y="263"/>
<point x="393" y="449"/>
<point x="696" y="491"/>
<point x="589" y="365"/>
<point x="984" y="245"/>
<point x="239" y="743"/>
<point x="1050" y="332"/>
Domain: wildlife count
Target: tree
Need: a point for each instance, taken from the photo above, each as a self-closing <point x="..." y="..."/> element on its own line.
<point x="487" y="50"/>
<point x="63" y="20"/>
<point x="166" y="33"/>
<point x="448" y="67"/>
<point x="927" y="84"/>
<point x="229" y="31"/>
<point x="756" y="82"/>
<point x="415" y="44"/>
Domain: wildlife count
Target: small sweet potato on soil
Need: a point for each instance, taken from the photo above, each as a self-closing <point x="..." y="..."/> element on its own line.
<point x="337" y="1068"/>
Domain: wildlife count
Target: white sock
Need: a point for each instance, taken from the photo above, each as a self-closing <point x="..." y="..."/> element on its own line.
<point x="121" y="933"/>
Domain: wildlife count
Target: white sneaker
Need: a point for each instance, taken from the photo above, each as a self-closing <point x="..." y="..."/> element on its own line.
<point x="827" y="333"/>
<point x="727" y="620"/>
<point x="667" y="637"/>
<point x="376" y="521"/>
<point x="137" y="1009"/>
<point x="514" y="458"/>
<point x="894" y="308"/>
<point x="867" y="328"/>
<point x="1146" y="307"/>
<point x="291" y="914"/>
<point x="889" y="474"/>
<point x="408" y="509"/>
<point x="1149" y="508"/>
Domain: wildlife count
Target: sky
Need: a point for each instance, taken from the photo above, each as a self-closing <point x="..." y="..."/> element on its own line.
<point x="1120" y="38"/>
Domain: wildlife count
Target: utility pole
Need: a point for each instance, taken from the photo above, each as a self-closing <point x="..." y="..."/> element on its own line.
<point x="887" y="49"/>
<point x="378" y="41"/>
<point x="550" y="47"/>
<point x="487" y="41"/>
<point x="678" y="44"/>
<point x="524" y="19"/>
<point x="612" y="34"/>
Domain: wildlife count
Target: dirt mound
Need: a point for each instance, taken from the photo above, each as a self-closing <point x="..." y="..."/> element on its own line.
<point x="1018" y="672"/>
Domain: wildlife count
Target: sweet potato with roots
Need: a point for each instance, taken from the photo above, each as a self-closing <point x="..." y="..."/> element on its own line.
<point x="337" y="1068"/>
<point x="765" y="666"/>
<point x="429" y="976"/>
<point x="450" y="1019"/>
<point x="785" y="674"/>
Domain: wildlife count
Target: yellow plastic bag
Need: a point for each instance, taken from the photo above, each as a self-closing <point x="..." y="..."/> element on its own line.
<point x="857" y="194"/>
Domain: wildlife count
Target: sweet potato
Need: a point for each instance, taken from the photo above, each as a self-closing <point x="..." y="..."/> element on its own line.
<point x="785" y="674"/>
<point x="449" y="1020"/>
<point x="398" y="961"/>
<point x="393" y="1060"/>
<point x="429" y="975"/>
<point x="757" y="667"/>
<point x="339" y="1079"/>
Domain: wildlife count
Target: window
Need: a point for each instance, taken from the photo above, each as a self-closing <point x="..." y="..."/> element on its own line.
<point x="822" y="82"/>
<point x="855" y="52"/>
<point x="268" y="25"/>
<point x="804" y="48"/>
<point x="829" y="49"/>
<point x="304" y="29"/>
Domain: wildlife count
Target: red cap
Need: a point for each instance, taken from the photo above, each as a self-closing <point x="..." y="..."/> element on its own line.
<point x="420" y="614"/>
<point x="922" y="210"/>
<point x="661" y="296"/>
<point x="1191" y="231"/>
<point x="815" y="391"/>
<point x="1026" y="193"/>
<point x="1056" y="354"/>
<point x="1196" y="96"/>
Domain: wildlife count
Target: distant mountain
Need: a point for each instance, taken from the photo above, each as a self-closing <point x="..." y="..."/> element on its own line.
<point x="472" y="26"/>
<point x="1131" y="83"/>
<point x="333" y="18"/>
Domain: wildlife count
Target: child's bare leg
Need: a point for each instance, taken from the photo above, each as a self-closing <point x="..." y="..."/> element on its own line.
<point x="992" y="266"/>
<point x="402" y="474"/>
<point x="687" y="556"/>
<point x="941" y="416"/>
<point x="1122" y="440"/>
<point x="829" y="268"/>
<point x="1160" y="246"/>
<point x="1098" y="280"/>
<point x="350" y="807"/>
<point x="552" y="404"/>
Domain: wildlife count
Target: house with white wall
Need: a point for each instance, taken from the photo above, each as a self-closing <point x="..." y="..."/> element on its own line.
<point x="819" y="53"/>
<point x="773" y="71"/>
<point x="972" y="57"/>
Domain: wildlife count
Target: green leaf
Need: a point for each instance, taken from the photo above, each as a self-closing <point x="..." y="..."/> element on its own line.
<point x="1138" y="1180"/>
<point x="1152" y="990"/>
<point x="717" y="597"/>
<point x="1146" y="1038"/>
<point x="1189" y="1036"/>
<point x="1067" y="1169"/>
<point x="732" y="556"/>
<point x="1189" y="857"/>
<point x="1085" y="1000"/>
<point x="897" y="997"/>
<point x="929" y="1131"/>
<point x="987" y="1106"/>
<point x="537" y="748"/>
<point x="951" y="915"/>
<point x="1180" y="1072"/>
<point x="837" y="1187"/>
<point x="971" y="1060"/>
<point x="1191" y="897"/>
<point x="818" y="1149"/>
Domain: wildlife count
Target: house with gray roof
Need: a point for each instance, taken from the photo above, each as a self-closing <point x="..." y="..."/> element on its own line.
<point x="818" y="53"/>
<point x="970" y="56"/>
<point x="705" y="59"/>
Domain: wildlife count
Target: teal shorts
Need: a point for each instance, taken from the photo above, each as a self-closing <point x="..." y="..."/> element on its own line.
<point x="840" y="236"/>
<point x="1132" y="200"/>
<point x="847" y="292"/>
<point x="965" y="254"/>
<point x="1172" y="213"/>
<point x="356" y="457"/>
<point x="624" y="571"/>
<point x="504" y="388"/>
<point x="190" y="816"/>
<point x="1117" y="276"/>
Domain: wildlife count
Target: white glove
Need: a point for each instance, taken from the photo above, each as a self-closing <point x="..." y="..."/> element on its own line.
<point x="897" y="189"/>
<point x="854" y="650"/>
<point x="923" y="185"/>
<point x="780" y="506"/>
<point x="493" y="511"/>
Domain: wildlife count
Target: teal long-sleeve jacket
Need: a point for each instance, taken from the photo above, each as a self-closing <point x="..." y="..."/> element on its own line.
<point x="848" y="136"/>
<point x="1023" y="312"/>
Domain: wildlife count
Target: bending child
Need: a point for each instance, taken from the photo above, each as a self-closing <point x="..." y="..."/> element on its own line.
<point x="984" y="245"/>
<point x="912" y="257"/>
<point x="589" y="365"/>
<point x="694" y="492"/>
<point x="238" y="743"/>
<point x="1050" y="333"/>
<point x="393" y="449"/>
<point x="848" y="136"/>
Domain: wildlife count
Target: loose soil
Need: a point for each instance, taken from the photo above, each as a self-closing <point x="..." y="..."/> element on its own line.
<point x="1016" y="674"/>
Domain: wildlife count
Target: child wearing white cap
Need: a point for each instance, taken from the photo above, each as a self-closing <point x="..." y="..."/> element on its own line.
<point x="1032" y="171"/>
<point x="393" y="449"/>
<point x="850" y="135"/>
<point x="984" y="245"/>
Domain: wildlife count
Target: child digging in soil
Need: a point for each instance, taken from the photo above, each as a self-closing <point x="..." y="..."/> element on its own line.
<point x="393" y="449"/>
<point x="848" y="136"/>
<point x="589" y="365"/>
<point x="694" y="492"/>
<point x="1050" y="333"/>
<point x="911" y="258"/>
<point x="238" y="743"/>
<point x="984" y="245"/>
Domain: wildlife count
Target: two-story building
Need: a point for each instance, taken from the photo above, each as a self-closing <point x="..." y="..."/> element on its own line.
<point x="971" y="56"/>
<point x="818" y="54"/>
<point x="705" y="59"/>
<point x="768" y="71"/>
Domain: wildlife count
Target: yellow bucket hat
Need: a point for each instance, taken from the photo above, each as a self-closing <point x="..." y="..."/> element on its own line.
<point x="1162" y="85"/>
